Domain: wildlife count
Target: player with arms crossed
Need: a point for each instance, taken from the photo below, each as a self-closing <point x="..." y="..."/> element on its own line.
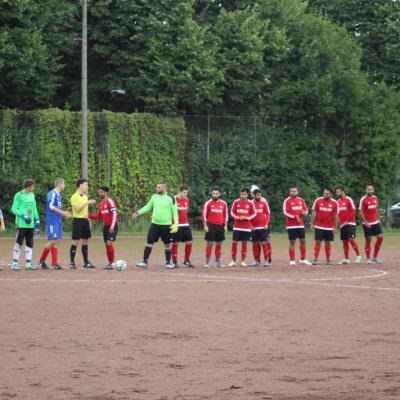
<point x="107" y="211"/>
<point x="324" y="221"/>
<point x="215" y="222"/>
<point x="164" y="211"/>
<point x="184" y="234"/>
<point x="80" y="223"/>
<point x="294" y="209"/>
<point x="260" y="235"/>
<point x="369" y="211"/>
<point x="27" y="223"/>
<point x="243" y="212"/>
<point x="347" y="222"/>
<point x="54" y="214"/>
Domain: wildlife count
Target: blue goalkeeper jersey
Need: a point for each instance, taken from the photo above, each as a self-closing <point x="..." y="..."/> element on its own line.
<point x="53" y="201"/>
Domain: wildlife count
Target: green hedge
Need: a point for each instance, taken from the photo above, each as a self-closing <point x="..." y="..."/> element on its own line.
<point x="128" y="152"/>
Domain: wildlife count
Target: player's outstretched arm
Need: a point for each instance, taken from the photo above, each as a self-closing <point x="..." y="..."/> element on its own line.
<point x="144" y="210"/>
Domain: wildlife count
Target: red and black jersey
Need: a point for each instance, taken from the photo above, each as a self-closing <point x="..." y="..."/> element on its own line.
<point x="325" y="210"/>
<point x="294" y="209"/>
<point x="369" y="206"/>
<point x="215" y="212"/>
<point x="107" y="211"/>
<point x="183" y="209"/>
<point x="243" y="209"/>
<point x="346" y="211"/>
<point x="263" y="214"/>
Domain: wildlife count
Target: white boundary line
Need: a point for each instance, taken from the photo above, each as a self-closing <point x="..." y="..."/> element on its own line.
<point x="228" y="278"/>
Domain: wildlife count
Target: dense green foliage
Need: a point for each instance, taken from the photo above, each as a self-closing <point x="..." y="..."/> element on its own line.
<point x="129" y="152"/>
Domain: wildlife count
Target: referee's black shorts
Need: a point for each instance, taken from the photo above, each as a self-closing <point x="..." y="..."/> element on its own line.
<point x="81" y="229"/>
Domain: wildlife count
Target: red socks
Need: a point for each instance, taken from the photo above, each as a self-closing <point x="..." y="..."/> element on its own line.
<point x="317" y="248"/>
<point x="174" y="252"/>
<point x="266" y="250"/>
<point x="378" y="243"/>
<point x="218" y="252"/>
<point x="257" y="251"/>
<point x="328" y="250"/>
<point x="302" y="252"/>
<point x="368" y="248"/>
<point x="54" y="255"/>
<point x="292" y="254"/>
<point x="45" y="253"/>
<point x="208" y="252"/>
<point x="188" y="251"/>
<point x="269" y="251"/>
<point x="346" y="249"/>
<point x="110" y="253"/>
<point x="354" y="245"/>
<point x="244" y="250"/>
<point x="234" y="250"/>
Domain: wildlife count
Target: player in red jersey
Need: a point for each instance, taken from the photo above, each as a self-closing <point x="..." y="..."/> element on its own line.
<point x="242" y="212"/>
<point x="215" y="221"/>
<point x="261" y="233"/>
<point x="107" y="211"/>
<point x="184" y="234"/>
<point x="369" y="211"/>
<point x="324" y="221"/>
<point x="347" y="222"/>
<point x="294" y="209"/>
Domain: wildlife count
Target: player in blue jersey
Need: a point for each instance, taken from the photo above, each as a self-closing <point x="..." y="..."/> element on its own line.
<point x="54" y="214"/>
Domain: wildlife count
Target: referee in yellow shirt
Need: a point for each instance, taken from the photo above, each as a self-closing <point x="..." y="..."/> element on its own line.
<point x="80" y="223"/>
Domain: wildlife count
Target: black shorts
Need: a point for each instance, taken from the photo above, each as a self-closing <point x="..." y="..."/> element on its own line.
<point x="260" y="235"/>
<point x="374" y="230"/>
<point x="81" y="229"/>
<point x="27" y="235"/>
<point x="296" y="233"/>
<point x="159" y="232"/>
<point x="348" y="232"/>
<point x="107" y="236"/>
<point x="183" y="235"/>
<point x="216" y="233"/>
<point x="323" y="235"/>
<point x="241" y="236"/>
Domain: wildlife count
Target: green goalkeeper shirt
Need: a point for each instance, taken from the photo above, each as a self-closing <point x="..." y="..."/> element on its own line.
<point x="24" y="204"/>
<point x="163" y="207"/>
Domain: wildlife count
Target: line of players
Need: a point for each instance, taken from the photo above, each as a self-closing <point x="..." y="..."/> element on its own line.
<point x="251" y="222"/>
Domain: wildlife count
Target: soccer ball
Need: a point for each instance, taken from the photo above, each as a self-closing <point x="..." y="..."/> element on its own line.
<point x="120" y="265"/>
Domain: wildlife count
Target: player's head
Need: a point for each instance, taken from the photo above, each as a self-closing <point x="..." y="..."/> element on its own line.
<point x="29" y="185"/>
<point x="215" y="193"/>
<point x="103" y="191"/>
<point x="253" y="189"/>
<point x="244" y="194"/>
<point x="82" y="185"/>
<point x="59" y="184"/>
<point x="328" y="193"/>
<point x="369" y="189"/>
<point x="339" y="190"/>
<point x="293" y="191"/>
<point x="256" y="193"/>
<point x="161" y="188"/>
<point x="183" y="190"/>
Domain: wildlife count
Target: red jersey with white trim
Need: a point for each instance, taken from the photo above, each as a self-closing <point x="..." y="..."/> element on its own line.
<point x="243" y="209"/>
<point x="263" y="214"/>
<point x="183" y="208"/>
<point x="325" y="213"/>
<point x="369" y="205"/>
<point x="107" y="211"/>
<point x="215" y="212"/>
<point x="346" y="211"/>
<point x="293" y="209"/>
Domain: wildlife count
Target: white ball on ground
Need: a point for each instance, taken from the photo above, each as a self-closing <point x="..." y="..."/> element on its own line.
<point x="120" y="265"/>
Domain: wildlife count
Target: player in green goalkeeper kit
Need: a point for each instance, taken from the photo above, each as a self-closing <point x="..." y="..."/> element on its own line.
<point x="27" y="224"/>
<point x="164" y="222"/>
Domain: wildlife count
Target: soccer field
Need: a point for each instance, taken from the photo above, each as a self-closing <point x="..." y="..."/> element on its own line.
<point x="235" y="333"/>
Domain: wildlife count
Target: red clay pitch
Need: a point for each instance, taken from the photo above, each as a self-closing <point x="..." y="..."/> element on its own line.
<point x="277" y="333"/>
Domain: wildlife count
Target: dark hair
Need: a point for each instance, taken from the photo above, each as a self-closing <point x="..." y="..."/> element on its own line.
<point x="293" y="186"/>
<point x="104" y="188"/>
<point x="216" y="188"/>
<point x="80" y="181"/>
<point x="329" y="190"/>
<point x="256" y="191"/>
<point x="28" y="183"/>
<point x="246" y="190"/>
<point x="183" y="187"/>
<point x="369" y="184"/>
<point x="339" y="188"/>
